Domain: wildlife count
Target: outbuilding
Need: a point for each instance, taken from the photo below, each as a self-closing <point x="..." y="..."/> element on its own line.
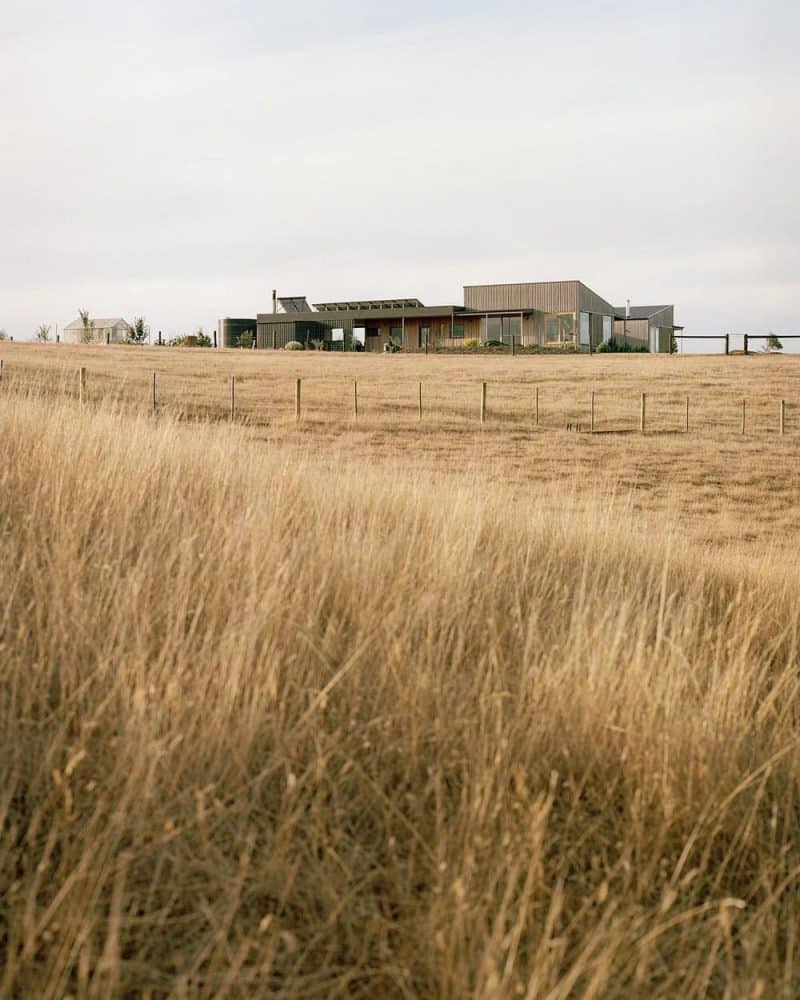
<point x="114" y="330"/>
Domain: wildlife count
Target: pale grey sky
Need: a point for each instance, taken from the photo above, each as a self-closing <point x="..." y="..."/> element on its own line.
<point x="179" y="160"/>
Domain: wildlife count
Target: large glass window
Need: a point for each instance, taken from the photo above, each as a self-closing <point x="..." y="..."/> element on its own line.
<point x="494" y="328"/>
<point x="560" y="328"/>
<point x="607" y="329"/>
<point x="396" y="335"/>
<point x="458" y="331"/>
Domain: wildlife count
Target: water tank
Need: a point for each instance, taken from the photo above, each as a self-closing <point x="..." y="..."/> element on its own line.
<point x="230" y="331"/>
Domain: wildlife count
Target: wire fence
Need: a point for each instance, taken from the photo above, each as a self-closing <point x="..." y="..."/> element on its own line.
<point x="503" y="402"/>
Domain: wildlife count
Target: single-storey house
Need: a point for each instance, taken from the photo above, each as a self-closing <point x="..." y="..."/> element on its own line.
<point x="556" y="315"/>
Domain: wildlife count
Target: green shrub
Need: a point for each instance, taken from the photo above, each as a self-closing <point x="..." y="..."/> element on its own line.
<point x="613" y="346"/>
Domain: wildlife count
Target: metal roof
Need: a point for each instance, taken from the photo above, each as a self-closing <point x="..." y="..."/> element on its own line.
<point x="638" y="312"/>
<point x="98" y="324"/>
<point x="367" y="305"/>
<point x="363" y="317"/>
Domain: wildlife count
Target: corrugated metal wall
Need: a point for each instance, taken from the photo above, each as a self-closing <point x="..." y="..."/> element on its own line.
<point x="229" y="331"/>
<point x="275" y="335"/>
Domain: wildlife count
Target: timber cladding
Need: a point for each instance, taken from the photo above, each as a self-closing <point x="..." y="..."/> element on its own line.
<point x="546" y="296"/>
<point x="591" y="302"/>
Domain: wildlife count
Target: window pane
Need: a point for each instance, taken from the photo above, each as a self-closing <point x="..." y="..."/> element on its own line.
<point x="494" y="328"/>
<point x="458" y="331"/>
<point x="584" y="329"/>
<point x="511" y="328"/>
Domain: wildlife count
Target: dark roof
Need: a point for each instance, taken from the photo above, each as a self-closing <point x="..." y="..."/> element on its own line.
<point x="638" y="312"/>
<point x="329" y="315"/>
<point x="366" y="305"/>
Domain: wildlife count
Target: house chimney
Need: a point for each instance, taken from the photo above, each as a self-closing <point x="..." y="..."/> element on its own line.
<point x="274" y="301"/>
<point x="627" y="309"/>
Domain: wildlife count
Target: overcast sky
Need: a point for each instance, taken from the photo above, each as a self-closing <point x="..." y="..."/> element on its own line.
<point x="180" y="159"/>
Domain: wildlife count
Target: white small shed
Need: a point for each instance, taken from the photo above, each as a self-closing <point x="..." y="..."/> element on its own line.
<point x="98" y="331"/>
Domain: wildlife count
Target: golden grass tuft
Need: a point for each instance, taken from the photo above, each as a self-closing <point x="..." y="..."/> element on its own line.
<point x="276" y="726"/>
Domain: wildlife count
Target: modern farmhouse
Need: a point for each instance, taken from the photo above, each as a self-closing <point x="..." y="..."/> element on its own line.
<point x="560" y="315"/>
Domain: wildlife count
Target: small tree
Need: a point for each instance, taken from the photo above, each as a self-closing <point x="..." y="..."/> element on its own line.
<point x="42" y="333"/>
<point x="3" y="335"/>
<point x="87" y="333"/>
<point x="138" y="331"/>
<point x="773" y="343"/>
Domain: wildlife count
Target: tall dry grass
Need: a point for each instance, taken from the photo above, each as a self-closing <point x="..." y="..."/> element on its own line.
<point x="271" y="729"/>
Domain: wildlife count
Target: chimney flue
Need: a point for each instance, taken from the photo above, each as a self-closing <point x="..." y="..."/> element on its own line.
<point x="274" y="301"/>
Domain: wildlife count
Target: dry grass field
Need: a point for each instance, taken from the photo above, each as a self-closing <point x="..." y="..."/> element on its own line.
<point x="382" y="708"/>
<point x="716" y="485"/>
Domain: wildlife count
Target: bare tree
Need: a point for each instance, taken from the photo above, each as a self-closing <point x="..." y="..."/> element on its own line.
<point x="42" y="333"/>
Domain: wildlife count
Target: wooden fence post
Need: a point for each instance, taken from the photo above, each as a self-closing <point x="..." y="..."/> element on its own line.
<point x="297" y="400"/>
<point x="483" y="402"/>
<point x="355" y="398"/>
<point x="643" y="413"/>
<point x="1" y="369"/>
<point x="783" y="416"/>
<point x="82" y="385"/>
<point x="744" y="415"/>
<point x="233" y="397"/>
<point x="746" y="338"/>
<point x="154" y="393"/>
<point x="536" y="406"/>
<point x="727" y="344"/>
<point x="591" y="414"/>
<point x="420" y="401"/>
